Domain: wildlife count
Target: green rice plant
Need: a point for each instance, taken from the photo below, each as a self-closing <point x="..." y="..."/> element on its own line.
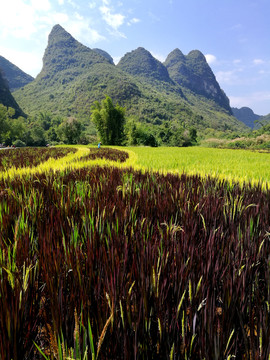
<point x="233" y="165"/>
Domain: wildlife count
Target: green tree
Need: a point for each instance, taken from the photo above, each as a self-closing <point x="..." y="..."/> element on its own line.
<point x="193" y="135"/>
<point x="11" y="129"/>
<point x="109" y="121"/>
<point x="3" y="122"/>
<point x="38" y="135"/>
<point x="70" y="131"/>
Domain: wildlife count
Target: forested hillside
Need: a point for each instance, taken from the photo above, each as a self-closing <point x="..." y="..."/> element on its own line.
<point x="74" y="76"/>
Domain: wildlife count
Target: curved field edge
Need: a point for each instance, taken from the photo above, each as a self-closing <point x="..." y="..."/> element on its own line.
<point x="241" y="166"/>
<point x="71" y="161"/>
<point x="29" y="156"/>
<point x="50" y="165"/>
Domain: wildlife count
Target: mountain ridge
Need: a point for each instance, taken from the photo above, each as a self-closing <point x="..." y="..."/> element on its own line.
<point x="15" y="77"/>
<point x="246" y="115"/>
<point x="6" y="97"/>
<point x="193" y="72"/>
<point x="140" y="62"/>
<point x="73" y="76"/>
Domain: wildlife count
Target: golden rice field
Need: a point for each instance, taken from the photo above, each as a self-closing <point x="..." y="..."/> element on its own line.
<point x="238" y="165"/>
<point x="233" y="165"/>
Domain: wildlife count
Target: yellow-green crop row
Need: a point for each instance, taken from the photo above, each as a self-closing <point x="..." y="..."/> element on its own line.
<point x="233" y="165"/>
<point x="49" y="165"/>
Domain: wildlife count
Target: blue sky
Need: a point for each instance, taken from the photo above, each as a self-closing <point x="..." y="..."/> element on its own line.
<point x="232" y="34"/>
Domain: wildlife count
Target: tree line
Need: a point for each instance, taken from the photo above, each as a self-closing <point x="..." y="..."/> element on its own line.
<point x="108" y="124"/>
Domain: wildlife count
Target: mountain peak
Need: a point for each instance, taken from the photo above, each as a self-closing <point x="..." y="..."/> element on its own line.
<point x="63" y="52"/>
<point x="59" y="34"/>
<point x="193" y="72"/>
<point x="196" y="54"/>
<point x="140" y="62"/>
<point x="175" y="56"/>
<point x="57" y="28"/>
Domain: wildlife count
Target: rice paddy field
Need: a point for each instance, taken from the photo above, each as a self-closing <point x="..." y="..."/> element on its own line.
<point x="134" y="253"/>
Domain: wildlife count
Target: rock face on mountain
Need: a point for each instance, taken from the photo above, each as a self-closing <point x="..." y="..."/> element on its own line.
<point x="246" y="115"/>
<point x="193" y="72"/>
<point x="6" y="98"/>
<point x="140" y="62"/>
<point x="105" y="54"/>
<point x="15" y="77"/>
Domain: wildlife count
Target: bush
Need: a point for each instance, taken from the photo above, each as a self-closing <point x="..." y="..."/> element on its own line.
<point x="19" y="143"/>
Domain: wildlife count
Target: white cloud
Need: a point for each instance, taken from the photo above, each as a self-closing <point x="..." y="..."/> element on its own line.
<point x="113" y="20"/>
<point x="17" y="19"/>
<point x="81" y="31"/>
<point x="135" y="21"/>
<point x="237" y="61"/>
<point x="61" y="2"/>
<point x="92" y="5"/>
<point x="227" y="77"/>
<point x="78" y="27"/>
<point x="54" y="18"/>
<point x="232" y="76"/>
<point x="78" y="16"/>
<point x="258" y="61"/>
<point x="211" y="59"/>
<point x="73" y="4"/>
<point x="43" y="5"/>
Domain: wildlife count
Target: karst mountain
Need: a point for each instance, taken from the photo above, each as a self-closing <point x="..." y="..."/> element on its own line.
<point x="73" y="76"/>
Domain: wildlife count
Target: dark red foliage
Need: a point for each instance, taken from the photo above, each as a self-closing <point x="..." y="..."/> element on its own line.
<point x="105" y="239"/>
<point x="108" y="154"/>
<point x="30" y="157"/>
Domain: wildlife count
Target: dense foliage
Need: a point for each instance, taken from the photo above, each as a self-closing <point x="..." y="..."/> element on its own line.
<point x="141" y="63"/>
<point x="258" y="139"/>
<point x="116" y="264"/>
<point x="11" y="128"/>
<point x="109" y="121"/>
